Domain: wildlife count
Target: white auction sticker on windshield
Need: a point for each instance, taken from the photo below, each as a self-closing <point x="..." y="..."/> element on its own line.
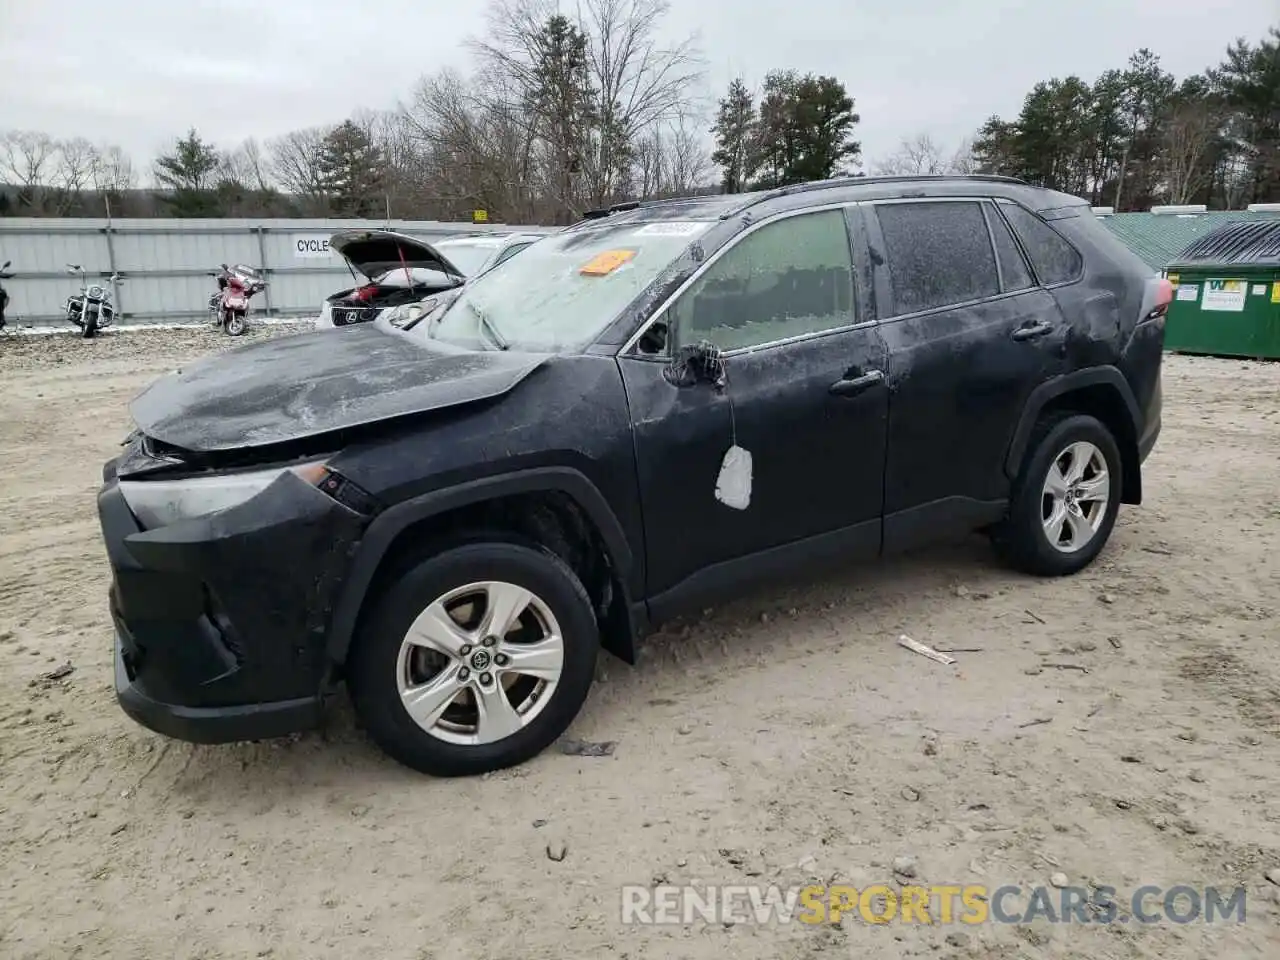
<point x="671" y="228"/>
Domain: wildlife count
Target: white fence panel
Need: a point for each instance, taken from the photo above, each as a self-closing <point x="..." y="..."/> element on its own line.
<point x="164" y="263"/>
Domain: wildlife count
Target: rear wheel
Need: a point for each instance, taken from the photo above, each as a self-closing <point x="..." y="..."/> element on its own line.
<point x="237" y="324"/>
<point x="1065" y="499"/>
<point x="475" y="659"/>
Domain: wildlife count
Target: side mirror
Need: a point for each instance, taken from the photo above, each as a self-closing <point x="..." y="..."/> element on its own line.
<point x="654" y="340"/>
<point x="700" y="362"/>
<point x="6" y="265"/>
<point x="73" y="268"/>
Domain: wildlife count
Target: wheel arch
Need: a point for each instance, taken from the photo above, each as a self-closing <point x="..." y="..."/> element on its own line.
<point x="552" y="503"/>
<point x="1101" y="392"/>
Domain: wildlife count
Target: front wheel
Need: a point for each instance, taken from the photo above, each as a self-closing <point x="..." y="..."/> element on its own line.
<point x="89" y="328"/>
<point x="1065" y="499"/>
<point x="475" y="659"/>
<point x="236" y="324"/>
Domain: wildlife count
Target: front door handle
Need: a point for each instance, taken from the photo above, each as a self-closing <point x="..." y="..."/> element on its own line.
<point x="1033" y="330"/>
<point x="853" y="386"/>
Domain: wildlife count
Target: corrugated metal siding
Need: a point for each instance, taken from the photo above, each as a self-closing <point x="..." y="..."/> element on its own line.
<point x="1158" y="238"/>
<point x="165" y="262"/>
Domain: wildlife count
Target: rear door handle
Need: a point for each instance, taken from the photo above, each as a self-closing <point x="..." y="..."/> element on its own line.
<point x="1032" y="330"/>
<point x="853" y="386"/>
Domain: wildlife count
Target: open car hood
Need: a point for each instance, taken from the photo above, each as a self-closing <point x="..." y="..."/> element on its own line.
<point x="372" y="252"/>
<point x="305" y="385"/>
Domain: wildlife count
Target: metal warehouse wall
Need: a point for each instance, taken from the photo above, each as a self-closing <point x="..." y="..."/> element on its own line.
<point x="165" y="262"/>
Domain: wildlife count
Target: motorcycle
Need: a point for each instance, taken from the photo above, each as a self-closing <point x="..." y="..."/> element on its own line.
<point x="229" y="307"/>
<point x="4" y="294"/>
<point x="93" y="308"/>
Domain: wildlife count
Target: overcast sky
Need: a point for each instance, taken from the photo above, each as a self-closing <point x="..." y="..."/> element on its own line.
<point x="235" y="68"/>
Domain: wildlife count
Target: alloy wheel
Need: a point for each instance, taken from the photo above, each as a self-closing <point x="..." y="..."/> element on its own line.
<point x="480" y="663"/>
<point x="1074" y="500"/>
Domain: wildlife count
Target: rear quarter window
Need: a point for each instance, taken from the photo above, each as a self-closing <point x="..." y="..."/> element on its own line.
<point x="1054" y="259"/>
<point x="1093" y="236"/>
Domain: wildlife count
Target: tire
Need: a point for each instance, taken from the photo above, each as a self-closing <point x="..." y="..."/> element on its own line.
<point x="1022" y="539"/>
<point x="379" y="670"/>
<point x="237" y="324"/>
<point x="90" y="326"/>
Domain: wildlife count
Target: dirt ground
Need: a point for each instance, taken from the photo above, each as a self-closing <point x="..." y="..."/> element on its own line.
<point x="1119" y="727"/>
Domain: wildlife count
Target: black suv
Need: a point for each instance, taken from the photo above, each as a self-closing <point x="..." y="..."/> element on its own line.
<point x="646" y="412"/>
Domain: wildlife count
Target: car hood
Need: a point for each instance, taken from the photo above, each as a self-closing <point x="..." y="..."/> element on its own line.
<point x="305" y="385"/>
<point x="372" y="252"/>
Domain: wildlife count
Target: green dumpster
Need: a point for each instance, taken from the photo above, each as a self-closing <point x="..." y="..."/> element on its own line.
<point x="1226" y="298"/>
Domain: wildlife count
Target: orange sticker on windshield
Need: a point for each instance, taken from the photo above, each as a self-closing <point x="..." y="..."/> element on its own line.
<point x="606" y="262"/>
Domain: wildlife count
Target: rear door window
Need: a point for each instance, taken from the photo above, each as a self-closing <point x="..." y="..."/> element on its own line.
<point x="939" y="253"/>
<point x="1055" y="260"/>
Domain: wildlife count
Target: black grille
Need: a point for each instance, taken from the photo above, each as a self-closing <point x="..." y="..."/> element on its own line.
<point x="345" y="316"/>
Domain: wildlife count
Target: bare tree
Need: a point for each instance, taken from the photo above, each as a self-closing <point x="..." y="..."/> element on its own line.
<point x="26" y="161"/>
<point x="244" y="181"/>
<point x="688" y="157"/>
<point x="113" y="173"/>
<point x="921" y="155"/>
<point x="71" y="174"/>
<point x="405" y="167"/>
<point x="963" y="161"/>
<point x="640" y="84"/>
<point x="1188" y="136"/>
<point x="671" y="160"/>
<point x="295" y="164"/>
<point x="915" y="156"/>
<point x="637" y="82"/>
<point x="473" y="146"/>
<point x="253" y="168"/>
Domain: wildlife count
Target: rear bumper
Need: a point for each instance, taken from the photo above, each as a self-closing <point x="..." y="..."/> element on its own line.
<point x="1152" y="418"/>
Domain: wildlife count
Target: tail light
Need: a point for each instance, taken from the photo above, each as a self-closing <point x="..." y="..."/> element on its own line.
<point x="1163" y="296"/>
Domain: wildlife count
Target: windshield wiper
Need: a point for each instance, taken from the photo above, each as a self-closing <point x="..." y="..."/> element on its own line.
<point x="494" y="333"/>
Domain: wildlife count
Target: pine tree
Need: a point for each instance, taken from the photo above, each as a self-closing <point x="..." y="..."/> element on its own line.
<point x="734" y="129"/>
<point x="352" y="172"/>
<point x="187" y="174"/>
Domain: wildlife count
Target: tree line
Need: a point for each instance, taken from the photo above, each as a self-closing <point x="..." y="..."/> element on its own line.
<point x="561" y="114"/>
<point x="1138" y="136"/>
<point x="558" y="114"/>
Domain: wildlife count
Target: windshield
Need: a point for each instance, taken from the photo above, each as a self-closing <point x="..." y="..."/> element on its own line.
<point x="566" y="288"/>
<point x="468" y="255"/>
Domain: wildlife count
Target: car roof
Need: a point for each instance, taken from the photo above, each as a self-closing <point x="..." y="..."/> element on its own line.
<point x="713" y="207"/>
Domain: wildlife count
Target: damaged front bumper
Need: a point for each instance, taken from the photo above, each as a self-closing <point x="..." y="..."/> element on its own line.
<point x="221" y="620"/>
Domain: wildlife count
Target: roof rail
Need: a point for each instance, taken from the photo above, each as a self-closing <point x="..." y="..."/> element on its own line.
<point x="752" y="198"/>
<point x="851" y="181"/>
<point x="896" y="178"/>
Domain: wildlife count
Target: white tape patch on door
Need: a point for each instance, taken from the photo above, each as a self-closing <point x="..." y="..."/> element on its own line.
<point x="733" y="486"/>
